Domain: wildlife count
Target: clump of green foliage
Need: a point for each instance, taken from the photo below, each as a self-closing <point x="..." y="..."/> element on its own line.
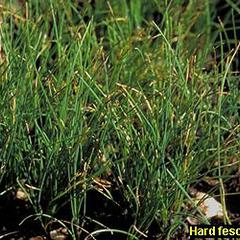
<point x="114" y="100"/>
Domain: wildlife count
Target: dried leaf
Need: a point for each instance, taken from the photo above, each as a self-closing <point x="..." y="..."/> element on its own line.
<point x="59" y="234"/>
<point x="21" y="195"/>
<point x="37" y="238"/>
<point x="102" y="183"/>
<point x="209" y="205"/>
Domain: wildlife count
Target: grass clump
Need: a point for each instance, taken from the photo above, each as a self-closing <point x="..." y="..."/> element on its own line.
<point x="110" y="111"/>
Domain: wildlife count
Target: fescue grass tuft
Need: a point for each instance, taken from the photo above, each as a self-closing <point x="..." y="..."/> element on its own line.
<point x="115" y="105"/>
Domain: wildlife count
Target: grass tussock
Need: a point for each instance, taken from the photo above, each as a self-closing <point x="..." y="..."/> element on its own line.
<point x="110" y="111"/>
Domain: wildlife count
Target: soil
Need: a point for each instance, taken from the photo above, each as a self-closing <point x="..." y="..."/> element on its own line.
<point x="13" y="211"/>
